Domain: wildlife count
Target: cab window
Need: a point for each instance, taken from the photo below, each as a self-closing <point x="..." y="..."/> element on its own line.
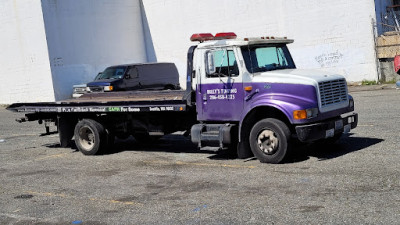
<point x="133" y="72"/>
<point x="225" y="64"/>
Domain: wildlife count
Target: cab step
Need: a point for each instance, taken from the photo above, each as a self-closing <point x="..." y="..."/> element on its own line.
<point x="221" y="135"/>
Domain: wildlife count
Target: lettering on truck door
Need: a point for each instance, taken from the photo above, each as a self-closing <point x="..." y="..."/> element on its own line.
<point x="222" y="87"/>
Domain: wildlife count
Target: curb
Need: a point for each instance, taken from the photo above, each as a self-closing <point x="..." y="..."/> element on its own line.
<point x="371" y="87"/>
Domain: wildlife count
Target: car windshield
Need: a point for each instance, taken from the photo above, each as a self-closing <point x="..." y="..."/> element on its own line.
<point x="266" y="58"/>
<point x="112" y="73"/>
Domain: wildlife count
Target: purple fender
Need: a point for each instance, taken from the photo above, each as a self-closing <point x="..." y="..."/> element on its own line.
<point x="284" y="97"/>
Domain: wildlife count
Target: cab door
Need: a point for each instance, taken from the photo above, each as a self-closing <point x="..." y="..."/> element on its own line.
<point x="221" y="87"/>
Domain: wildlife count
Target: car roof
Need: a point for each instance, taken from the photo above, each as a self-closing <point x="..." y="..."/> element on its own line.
<point x="142" y="64"/>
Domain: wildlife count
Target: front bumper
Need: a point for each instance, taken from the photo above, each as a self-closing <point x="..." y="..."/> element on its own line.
<point x="77" y="95"/>
<point x="326" y="129"/>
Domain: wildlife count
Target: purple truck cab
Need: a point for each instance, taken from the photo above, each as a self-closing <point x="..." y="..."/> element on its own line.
<point x="253" y="83"/>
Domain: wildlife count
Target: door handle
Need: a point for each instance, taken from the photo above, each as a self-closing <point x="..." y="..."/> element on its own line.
<point x="204" y="97"/>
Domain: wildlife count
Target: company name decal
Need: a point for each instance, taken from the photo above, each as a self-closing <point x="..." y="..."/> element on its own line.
<point x="222" y="94"/>
<point x="100" y="109"/>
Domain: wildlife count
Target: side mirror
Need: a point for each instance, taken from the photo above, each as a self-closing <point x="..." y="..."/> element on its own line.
<point x="127" y="76"/>
<point x="396" y="62"/>
<point x="210" y="63"/>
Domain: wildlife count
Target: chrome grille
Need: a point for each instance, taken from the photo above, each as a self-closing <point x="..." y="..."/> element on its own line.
<point x="80" y="90"/>
<point x="332" y="92"/>
<point x="96" y="89"/>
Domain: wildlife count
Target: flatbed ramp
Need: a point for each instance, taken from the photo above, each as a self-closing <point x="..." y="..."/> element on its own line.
<point x="129" y="101"/>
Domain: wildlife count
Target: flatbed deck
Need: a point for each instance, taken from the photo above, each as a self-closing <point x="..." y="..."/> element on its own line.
<point x="127" y="101"/>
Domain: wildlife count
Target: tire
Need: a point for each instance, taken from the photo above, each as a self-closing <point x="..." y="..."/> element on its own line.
<point x="270" y="140"/>
<point x="90" y="137"/>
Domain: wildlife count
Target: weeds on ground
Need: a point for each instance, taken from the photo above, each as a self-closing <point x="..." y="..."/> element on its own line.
<point x="369" y="82"/>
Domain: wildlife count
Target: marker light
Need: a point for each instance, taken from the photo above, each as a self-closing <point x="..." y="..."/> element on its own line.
<point x="202" y="37"/>
<point x="248" y="88"/>
<point x="225" y="35"/>
<point x="300" y="114"/>
<point x="351" y="103"/>
<point x="305" y="114"/>
<point x="108" y="88"/>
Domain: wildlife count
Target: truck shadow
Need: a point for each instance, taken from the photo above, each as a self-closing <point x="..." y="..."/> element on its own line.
<point x="169" y="143"/>
<point x="180" y="144"/>
<point x="347" y="144"/>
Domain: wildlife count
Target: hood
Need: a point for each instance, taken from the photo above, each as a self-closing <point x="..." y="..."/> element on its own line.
<point x="79" y="86"/>
<point x="107" y="82"/>
<point x="296" y="76"/>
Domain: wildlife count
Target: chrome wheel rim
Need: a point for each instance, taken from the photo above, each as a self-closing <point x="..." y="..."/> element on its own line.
<point x="87" y="138"/>
<point x="268" y="142"/>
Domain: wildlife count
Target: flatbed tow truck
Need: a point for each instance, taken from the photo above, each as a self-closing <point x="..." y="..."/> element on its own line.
<point x="243" y="94"/>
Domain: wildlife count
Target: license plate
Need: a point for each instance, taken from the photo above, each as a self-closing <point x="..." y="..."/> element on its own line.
<point x="338" y="124"/>
<point x="347" y="128"/>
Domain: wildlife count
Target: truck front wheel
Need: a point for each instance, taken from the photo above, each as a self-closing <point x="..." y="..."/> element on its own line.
<point x="90" y="136"/>
<point x="269" y="140"/>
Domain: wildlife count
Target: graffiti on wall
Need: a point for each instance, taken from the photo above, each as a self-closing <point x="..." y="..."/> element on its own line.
<point x="329" y="59"/>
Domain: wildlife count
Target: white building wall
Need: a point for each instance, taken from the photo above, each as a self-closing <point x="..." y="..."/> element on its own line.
<point x="329" y="35"/>
<point x="49" y="45"/>
<point x="84" y="37"/>
<point x="24" y="62"/>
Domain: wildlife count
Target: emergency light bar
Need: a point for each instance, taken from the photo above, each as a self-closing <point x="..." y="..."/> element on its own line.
<point x="201" y="37"/>
<point x="226" y="35"/>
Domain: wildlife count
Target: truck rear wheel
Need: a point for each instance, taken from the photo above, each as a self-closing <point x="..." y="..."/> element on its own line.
<point x="90" y="137"/>
<point x="269" y="140"/>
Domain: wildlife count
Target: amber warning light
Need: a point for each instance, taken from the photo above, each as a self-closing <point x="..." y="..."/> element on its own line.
<point x="201" y="37"/>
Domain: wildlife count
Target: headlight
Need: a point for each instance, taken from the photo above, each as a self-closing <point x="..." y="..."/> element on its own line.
<point x="108" y="88"/>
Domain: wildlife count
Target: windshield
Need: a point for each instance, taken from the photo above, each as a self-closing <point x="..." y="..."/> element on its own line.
<point x="112" y="73"/>
<point x="98" y="76"/>
<point x="266" y="58"/>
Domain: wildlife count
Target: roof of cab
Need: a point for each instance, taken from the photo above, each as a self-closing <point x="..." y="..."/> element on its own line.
<point x="244" y="41"/>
